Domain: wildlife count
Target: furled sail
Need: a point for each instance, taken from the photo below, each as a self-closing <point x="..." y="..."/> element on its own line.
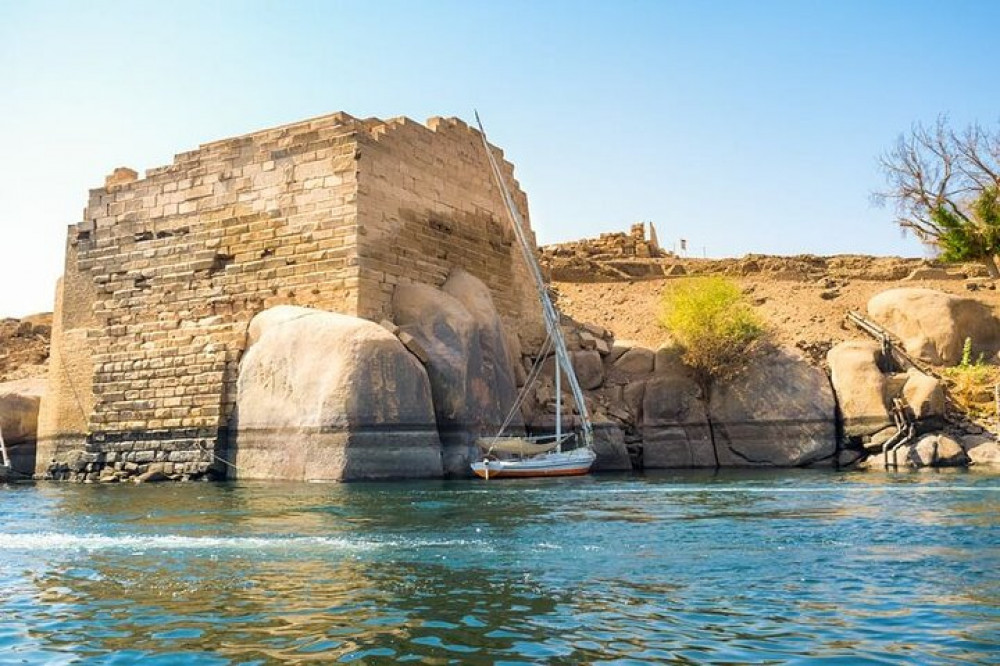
<point x="518" y="446"/>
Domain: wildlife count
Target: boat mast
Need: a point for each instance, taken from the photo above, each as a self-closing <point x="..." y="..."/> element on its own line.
<point x="558" y="408"/>
<point x="4" y="458"/>
<point x="549" y="312"/>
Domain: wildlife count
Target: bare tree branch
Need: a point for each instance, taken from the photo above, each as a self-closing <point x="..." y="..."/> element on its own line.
<point x="934" y="168"/>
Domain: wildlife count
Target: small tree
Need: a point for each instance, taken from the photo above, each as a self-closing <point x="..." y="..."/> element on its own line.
<point x="975" y="237"/>
<point x="714" y="325"/>
<point x="944" y="186"/>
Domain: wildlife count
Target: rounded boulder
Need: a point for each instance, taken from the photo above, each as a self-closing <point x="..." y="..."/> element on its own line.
<point x="933" y="325"/>
<point x="326" y="396"/>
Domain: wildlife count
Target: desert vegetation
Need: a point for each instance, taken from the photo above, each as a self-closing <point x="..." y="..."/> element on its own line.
<point x="714" y="325"/>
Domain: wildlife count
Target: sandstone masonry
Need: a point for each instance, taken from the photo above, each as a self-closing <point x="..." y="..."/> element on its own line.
<point x="164" y="273"/>
<point x="614" y="245"/>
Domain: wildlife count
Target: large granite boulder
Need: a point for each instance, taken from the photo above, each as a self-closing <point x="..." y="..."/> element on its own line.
<point x="589" y="369"/>
<point x="982" y="450"/>
<point x="494" y="341"/>
<point x="325" y="396"/>
<point x="934" y="325"/>
<point x="675" y="428"/>
<point x="780" y="412"/>
<point x="471" y="379"/>
<point x="933" y="450"/>
<point x="633" y="364"/>
<point x="938" y="450"/>
<point x="19" y="402"/>
<point x="924" y="394"/>
<point x="859" y="386"/>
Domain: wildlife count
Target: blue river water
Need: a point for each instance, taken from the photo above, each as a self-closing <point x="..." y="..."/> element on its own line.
<point x="764" y="567"/>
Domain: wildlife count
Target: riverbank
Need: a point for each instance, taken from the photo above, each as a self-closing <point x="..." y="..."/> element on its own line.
<point x="823" y="394"/>
<point x="929" y="311"/>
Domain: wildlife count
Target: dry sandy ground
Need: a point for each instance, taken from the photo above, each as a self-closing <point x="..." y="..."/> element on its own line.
<point x="803" y="300"/>
<point x="24" y="347"/>
<point x="807" y="313"/>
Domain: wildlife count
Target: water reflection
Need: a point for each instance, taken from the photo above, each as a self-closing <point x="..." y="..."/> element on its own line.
<point x="687" y="568"/>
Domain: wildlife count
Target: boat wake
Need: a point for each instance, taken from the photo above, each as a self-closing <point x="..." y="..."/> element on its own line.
<point x="50" y="541"/>
<point x="56" y="541"/>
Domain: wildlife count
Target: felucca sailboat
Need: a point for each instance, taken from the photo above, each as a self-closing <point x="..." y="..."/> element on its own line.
<point x="549" y="455"/>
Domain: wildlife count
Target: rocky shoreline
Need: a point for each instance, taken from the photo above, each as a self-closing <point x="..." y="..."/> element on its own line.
<point x="322" y="395"/>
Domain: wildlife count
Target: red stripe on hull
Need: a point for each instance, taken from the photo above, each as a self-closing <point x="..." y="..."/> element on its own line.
<point x="500" y="474"/>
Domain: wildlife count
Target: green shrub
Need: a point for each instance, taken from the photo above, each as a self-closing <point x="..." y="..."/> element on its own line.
<point x="714" y="325"/>
<point x="971" y="384"/>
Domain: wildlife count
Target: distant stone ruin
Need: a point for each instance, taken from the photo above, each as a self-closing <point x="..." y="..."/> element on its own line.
<point x="609" y="257"/>
<point x="164" y="272"/>
<point x="610" y="246"/>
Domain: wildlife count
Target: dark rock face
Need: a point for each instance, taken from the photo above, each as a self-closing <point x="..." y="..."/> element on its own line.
<point x="675" y="427"/>
<point x="609" y="445"/>
<point x="779" y="413"/>
<point x="468" y="363"/>
<point x="324" y="396"/>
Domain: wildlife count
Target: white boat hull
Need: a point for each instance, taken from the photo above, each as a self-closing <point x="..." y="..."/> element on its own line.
<point x="567" y="463"/>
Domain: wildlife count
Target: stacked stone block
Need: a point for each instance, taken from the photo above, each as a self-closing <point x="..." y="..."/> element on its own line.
<point x="164" y="273"/>
<point x="611" y="246"/>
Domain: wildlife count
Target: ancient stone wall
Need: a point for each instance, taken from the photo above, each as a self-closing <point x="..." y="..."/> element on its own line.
<point x="182" y="259"/>
<point x="427" y="203"/>
<point x="64" y="412"/>
<point x="165" y="272"/>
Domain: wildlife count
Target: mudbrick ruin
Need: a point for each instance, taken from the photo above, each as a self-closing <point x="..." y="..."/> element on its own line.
<point x="165" y="272"/>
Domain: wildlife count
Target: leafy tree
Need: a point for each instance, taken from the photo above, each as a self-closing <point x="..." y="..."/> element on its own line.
<point x="712" y="322"/>
<point x="975" y="237"/>
<point x="944" y="185"/>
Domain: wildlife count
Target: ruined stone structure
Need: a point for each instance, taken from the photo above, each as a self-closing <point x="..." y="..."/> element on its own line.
<point x="608" y="258"/>
<point x="609" y="246"/>
<point x="165" y="272"/>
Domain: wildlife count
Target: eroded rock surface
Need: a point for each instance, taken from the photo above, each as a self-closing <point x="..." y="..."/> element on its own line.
<point x="609" y="445"/>
<point x="325" y="396"/>
<point x="859" y="386"/>
<point x="983" y="450"/>
<point x="780" y="412"/>
<point x="675" y="428"/>
<point x="468" y="363"/>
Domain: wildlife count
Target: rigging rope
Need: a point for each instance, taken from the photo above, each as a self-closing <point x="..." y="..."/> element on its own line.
<point x="536" y="370"/>
<point x="212" y="453"/>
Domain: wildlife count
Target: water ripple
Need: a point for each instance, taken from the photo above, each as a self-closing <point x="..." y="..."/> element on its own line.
<point x="840" y="569"/>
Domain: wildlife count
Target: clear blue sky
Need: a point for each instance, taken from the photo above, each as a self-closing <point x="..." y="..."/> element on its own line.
<point x="742" y="126"/>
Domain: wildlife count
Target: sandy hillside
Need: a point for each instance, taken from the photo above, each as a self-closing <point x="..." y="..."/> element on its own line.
<point x="804" y="309"/>
<point x="24" y="347"/>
